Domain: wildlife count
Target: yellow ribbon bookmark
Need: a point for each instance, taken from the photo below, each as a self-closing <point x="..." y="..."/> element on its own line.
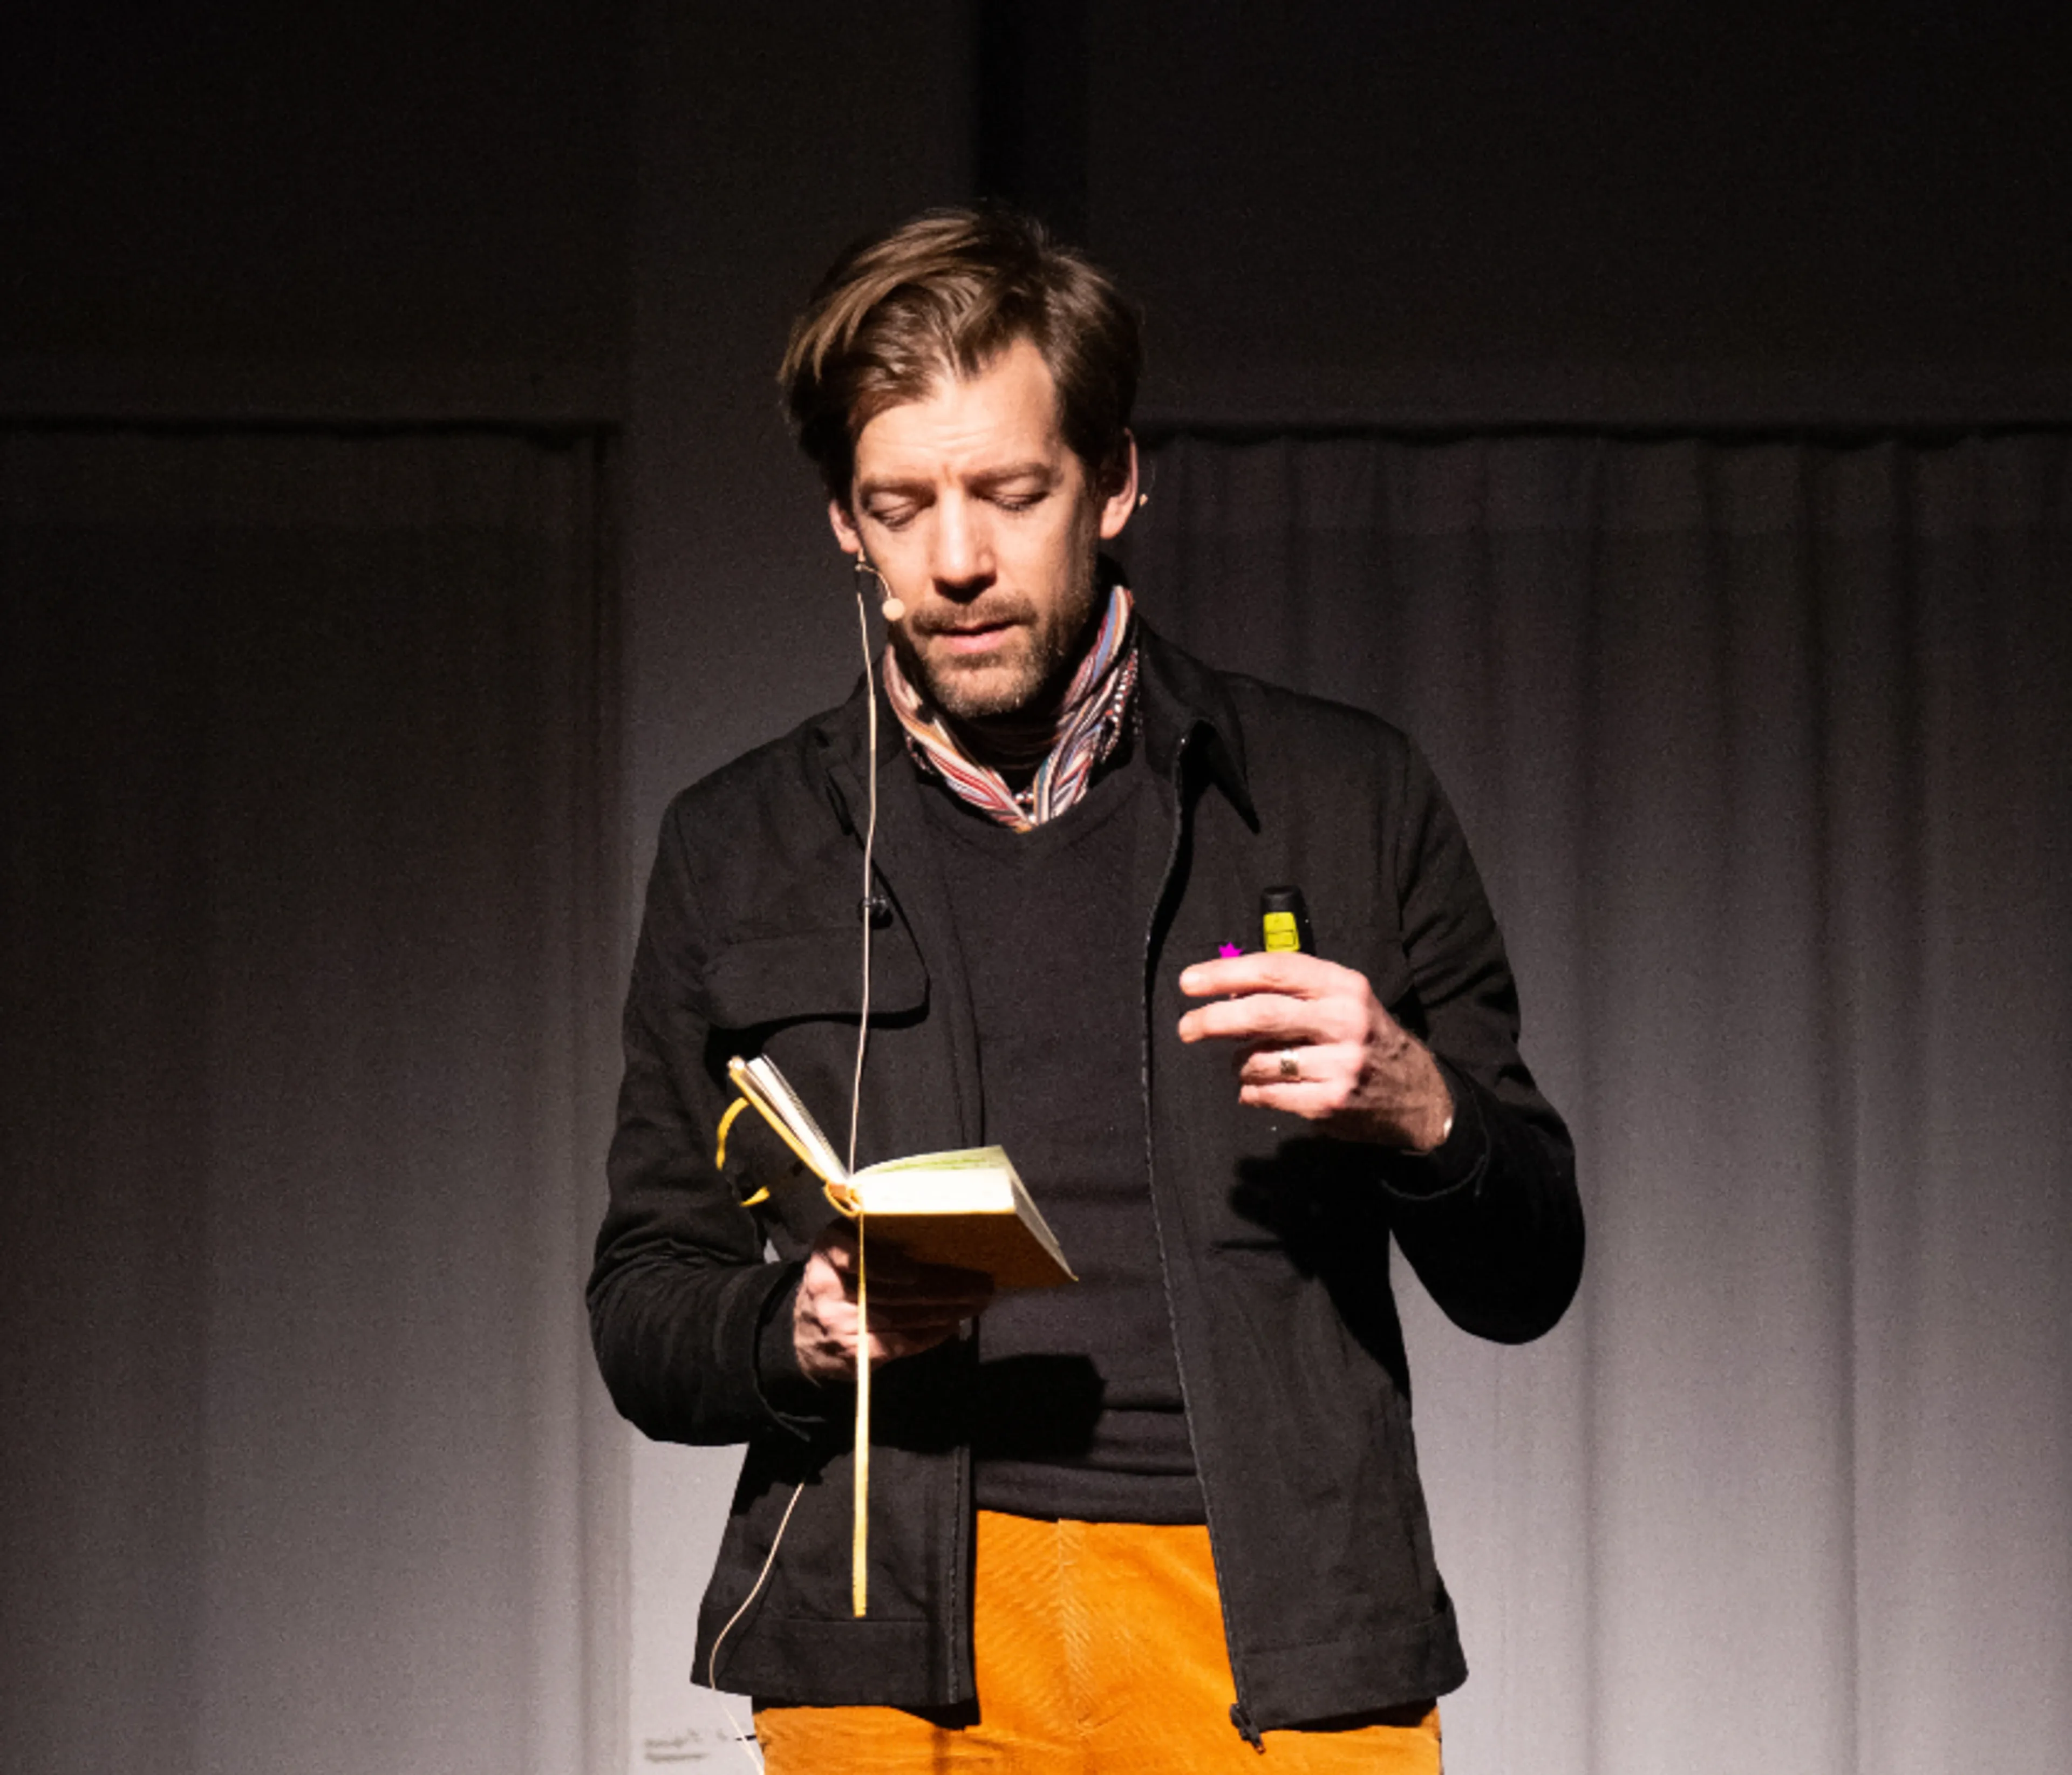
<point x="859" y="1583"/>
<point x="843" y="1199"/>
<point x="719" y="1158"/>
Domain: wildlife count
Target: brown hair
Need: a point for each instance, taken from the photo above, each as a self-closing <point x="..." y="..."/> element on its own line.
<point x="949" y="291"/>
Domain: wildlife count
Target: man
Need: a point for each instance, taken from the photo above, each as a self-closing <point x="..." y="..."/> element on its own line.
<point x="1149" y="1519"/>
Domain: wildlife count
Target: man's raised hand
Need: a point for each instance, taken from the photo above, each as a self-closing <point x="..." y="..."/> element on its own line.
<point x="1312" y="1041"/>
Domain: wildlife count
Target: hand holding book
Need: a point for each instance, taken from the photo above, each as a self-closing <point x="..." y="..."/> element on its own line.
<point x="914" y="1306"/>
<point x="949" y="1221"/>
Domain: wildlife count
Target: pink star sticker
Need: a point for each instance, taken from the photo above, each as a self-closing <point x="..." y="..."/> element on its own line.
<point x="1225" y="950"/>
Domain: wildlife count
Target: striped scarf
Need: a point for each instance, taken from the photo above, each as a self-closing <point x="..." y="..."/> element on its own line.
<point x="1088" y="728"/>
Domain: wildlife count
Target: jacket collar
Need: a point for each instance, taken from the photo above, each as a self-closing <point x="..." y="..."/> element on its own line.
<point x="1182" y="697"/>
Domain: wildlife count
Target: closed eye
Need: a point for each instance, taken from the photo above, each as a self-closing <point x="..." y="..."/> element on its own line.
<point x="1017" y="493"/>
<point x="892" y="516"/>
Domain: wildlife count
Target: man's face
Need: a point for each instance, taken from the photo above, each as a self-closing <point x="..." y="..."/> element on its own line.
<point x="982" y="521"/>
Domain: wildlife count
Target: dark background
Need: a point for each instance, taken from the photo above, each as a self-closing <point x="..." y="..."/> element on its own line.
<point x="1688" y="217"/>
<point x="387" y="208"/>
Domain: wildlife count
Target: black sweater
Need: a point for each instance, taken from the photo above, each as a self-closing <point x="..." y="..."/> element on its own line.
<point x="1077" y="1411"/>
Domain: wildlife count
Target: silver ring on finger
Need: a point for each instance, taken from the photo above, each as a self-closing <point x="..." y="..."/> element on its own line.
<point x="1291" y="1068"/>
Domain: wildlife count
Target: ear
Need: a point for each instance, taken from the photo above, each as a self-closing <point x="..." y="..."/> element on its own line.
<point x="1119" y="493"/>
<point x="846" y="532"/>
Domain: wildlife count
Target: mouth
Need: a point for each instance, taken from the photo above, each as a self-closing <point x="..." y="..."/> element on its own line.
<point x="967" y="638"/>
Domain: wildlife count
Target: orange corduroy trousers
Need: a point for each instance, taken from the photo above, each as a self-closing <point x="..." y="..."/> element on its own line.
<point x="1100" y="1646"/>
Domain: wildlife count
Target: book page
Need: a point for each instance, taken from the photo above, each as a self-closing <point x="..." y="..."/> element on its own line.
<point x="978" y="1181"/>
<point x="759" y="1081"/>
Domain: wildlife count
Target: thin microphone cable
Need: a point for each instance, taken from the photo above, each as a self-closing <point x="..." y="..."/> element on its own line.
<point x="869" y="844"/>
<point x="746" y="1739"/>
<point x="859" y="1569"/>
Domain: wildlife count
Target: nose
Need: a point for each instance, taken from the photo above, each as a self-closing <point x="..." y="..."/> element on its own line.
<point x="962" y="557"/>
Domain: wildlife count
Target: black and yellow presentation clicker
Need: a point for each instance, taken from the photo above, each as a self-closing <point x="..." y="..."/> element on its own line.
<point x="1284" y="918"/>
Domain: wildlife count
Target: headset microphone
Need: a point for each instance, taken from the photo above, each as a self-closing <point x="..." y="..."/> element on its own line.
<point x="895" y="606"/>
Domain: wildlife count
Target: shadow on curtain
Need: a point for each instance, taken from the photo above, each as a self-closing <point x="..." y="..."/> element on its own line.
<point x="307" y="963"/>
<point x="1766" y="749"/>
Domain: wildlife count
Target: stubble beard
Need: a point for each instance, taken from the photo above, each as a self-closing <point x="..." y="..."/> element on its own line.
<point x="997" y="686"/>
<point x="1037" y="674"/>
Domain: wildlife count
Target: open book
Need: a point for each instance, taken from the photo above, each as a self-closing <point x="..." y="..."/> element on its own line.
<point x="967" y="1208"/>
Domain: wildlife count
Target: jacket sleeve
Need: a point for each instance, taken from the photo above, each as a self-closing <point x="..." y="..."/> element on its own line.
<point x="1491" y="1221"/>
<point x="688" y="1319"/>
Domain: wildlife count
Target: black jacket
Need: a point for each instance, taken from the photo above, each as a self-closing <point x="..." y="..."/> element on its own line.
<point x="1274" y="1242"/>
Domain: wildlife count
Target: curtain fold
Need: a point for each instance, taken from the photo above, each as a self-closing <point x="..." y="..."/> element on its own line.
<point x="309" y="939"/>
<point x="1766" y="751"/>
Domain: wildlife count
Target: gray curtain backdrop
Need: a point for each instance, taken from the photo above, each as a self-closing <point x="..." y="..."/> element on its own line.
<point x="308" y="956"/>
<point x="1765" y="751"/>
<point x="308" y="959"/>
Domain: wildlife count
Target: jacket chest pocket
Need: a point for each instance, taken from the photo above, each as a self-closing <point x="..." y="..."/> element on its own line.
<point x="798" y="997"/>
<point x="760" y="980"/>
<point x="796" y="991"/>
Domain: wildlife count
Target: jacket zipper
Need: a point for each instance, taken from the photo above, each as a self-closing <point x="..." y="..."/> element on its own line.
<point x="1240" y="1716"/>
